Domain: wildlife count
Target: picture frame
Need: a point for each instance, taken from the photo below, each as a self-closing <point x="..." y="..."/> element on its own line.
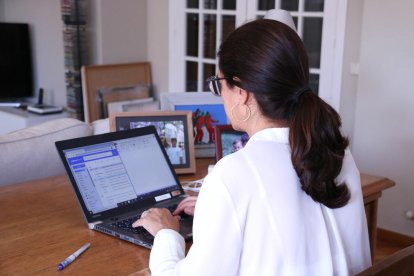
<point x="112" y="76"/>
<point x="200" y="104"/>
<point x="146" y="104"/>
<point x="174" y="129"/>
<point x="229" y="140"/>
<point x="169" y="100"/>
<point x="108" y="95"/>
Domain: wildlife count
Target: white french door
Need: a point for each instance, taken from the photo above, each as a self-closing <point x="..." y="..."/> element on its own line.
<point x="197" y="28"/>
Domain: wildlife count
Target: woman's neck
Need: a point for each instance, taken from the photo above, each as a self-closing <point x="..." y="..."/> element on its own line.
<point x="258" y="122"/>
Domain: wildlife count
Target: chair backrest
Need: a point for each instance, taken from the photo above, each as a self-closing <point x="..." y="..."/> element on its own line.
<point x="400" y="263"/>
<point x="112" y="77"/>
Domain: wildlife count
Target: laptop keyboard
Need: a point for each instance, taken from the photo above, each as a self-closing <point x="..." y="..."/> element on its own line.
<point x="126" y="224"/>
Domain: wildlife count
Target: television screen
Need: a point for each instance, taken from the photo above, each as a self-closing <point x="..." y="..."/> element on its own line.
<point x="16" y="72"/>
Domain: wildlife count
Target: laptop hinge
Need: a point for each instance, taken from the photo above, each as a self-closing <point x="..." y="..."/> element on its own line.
<point x="92" y="225"/>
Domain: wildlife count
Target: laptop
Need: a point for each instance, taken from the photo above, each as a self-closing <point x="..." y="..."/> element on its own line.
<point x="118" y="175"/>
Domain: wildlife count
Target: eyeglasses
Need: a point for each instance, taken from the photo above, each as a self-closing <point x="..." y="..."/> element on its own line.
<point x="215" y="85"/>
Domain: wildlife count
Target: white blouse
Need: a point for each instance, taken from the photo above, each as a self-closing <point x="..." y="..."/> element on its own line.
<point x="253" y="218"/>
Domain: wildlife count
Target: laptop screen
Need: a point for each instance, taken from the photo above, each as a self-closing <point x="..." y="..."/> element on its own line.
<point x="122" y="172"/>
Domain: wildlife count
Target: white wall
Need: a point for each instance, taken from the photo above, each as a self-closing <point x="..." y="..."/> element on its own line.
<point x="118" y="31"/>
<point x="383" y="141"/>
<point x="158" y="44"/>
<point x="1" y="11"/>
<point x="131" y="30"/>
<point x="351" y="57"/>
<point x="47" y="43"/>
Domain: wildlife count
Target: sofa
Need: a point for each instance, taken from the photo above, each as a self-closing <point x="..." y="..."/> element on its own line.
<point x="30" y="153"/>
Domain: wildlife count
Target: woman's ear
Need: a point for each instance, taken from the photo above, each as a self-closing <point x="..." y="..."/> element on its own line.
<point x="243" y="96"/>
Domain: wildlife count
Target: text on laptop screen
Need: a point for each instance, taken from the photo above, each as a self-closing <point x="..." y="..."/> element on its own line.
<point x="117" y="173"/>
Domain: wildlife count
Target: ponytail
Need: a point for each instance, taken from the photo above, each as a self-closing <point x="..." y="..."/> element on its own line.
<point x="318" y="149"/>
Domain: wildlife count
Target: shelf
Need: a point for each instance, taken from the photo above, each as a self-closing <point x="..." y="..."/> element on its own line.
<point x="75" y="49"/>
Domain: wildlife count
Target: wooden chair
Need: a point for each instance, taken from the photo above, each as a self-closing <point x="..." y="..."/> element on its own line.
<point x="400" y="263"/>
<point x="113" y="82"/>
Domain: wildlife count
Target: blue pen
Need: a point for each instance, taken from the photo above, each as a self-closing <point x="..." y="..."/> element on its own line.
<point x="72" y="257"/>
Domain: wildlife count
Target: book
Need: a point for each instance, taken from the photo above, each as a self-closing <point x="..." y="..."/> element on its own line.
<point x="44" y="109"/>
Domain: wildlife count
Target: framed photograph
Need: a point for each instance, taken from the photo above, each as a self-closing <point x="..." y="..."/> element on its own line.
<point x="147" y="104"/>
<point x="121" y="79"/>
<point x="108" y="95"/>
<point x="175" y="129"/>
<point x="229" y="140"/>
<point x="207" y="112"/>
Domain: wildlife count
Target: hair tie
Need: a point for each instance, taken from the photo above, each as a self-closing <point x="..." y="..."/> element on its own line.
<point x="302" y="90"/>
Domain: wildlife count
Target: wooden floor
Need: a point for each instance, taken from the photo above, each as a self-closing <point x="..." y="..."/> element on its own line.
<point x="389" y="243"/>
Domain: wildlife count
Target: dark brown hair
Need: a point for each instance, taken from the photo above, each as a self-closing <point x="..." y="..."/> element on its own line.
<point x="270" y="60"/>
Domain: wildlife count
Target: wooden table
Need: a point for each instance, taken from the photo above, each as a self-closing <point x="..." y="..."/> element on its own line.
<point x="372" y="187"/>
<point x="41" y="224"/>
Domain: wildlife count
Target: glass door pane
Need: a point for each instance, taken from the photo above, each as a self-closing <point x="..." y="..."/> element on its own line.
<point x="192" y="34"/>
<point x="312" y="38"/>
<point x="209" y="39"/>
<point x="191" y="76"/>
<point x="314" y="5"/>
<point x="210" y="4"/>
<point x="290" y="5"/>
<point x="264" y="5"/>
<point x="314" y="82"/>
<point x="229" y="24"/>
<point x="229" y="5"/>
<point x="192" y="4"/>
<point x="209" y="70"/>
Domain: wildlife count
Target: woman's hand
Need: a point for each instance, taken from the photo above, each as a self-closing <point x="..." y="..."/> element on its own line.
<point x="186" y="206"/>
<point x="155" y="219"/>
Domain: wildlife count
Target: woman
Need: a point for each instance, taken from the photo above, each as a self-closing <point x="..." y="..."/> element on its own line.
<point x="290" y="201"/>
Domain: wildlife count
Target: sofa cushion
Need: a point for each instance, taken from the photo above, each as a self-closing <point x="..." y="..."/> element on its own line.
<point x="30" y="153"/>
<point x="100" y="126"/>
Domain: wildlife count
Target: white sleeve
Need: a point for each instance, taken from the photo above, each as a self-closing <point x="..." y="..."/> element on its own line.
<point x="217" y="238"/>
<point x="167" y="251"/>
